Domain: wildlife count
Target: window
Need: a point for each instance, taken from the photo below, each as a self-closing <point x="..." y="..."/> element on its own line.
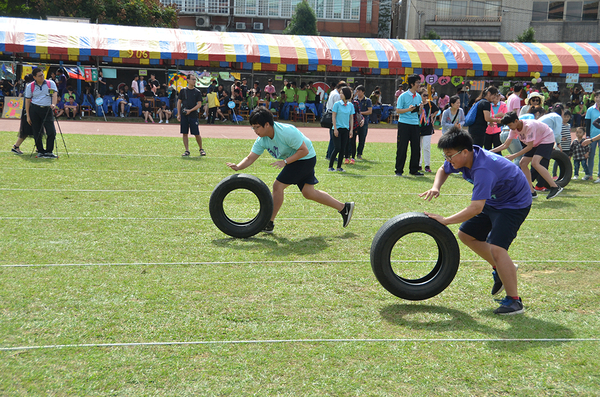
<point x="251" y="7"/>
<point x="556" y="10"/>
<point x="273" y="8"/>
<point x="573" y="11"/>
<point x="540" y="11"/>
<point x="324" y="9"/>
<point x="493" y="9"/>
<point x="590" y="10"/>
<point x="458" y="9"/>
<point x="477" y="8"/>
<point x="369" y="15"/>
<point x="337" y="9"/>
<point x="442" y="8"/>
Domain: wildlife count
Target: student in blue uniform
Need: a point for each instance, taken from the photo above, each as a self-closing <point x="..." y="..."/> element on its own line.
<point x="500" y="203"/>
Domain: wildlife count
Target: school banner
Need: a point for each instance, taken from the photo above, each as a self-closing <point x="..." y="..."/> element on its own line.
<point x="12" y="107"/>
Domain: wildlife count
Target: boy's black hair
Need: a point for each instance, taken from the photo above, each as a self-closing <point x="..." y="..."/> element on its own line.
<point x="453" y="99"/>
<point x="509" y="118"/>
<point x="412" y="79"/>
<point x="567" y="113"/>
<point x="517" y="88"/>
<point x="596" y="93"/>
<point x="35" y="71"/>
<point x="347" y="93"/>
<point x="457" y="139"/>
<point x="261" y="116"/>
<point x="361" y="88"/>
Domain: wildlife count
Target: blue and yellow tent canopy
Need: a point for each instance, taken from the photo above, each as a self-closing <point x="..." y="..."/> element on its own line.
<point x="67" y="41"/>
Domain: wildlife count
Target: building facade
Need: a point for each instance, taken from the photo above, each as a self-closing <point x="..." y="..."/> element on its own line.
<point x="497" y="20"/>
<point x="356" y="18"/>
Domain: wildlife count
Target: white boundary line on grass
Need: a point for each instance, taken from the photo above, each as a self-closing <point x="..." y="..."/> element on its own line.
<point x="273" y="341"/>
<point x="263" y="262"/>
<point x="125" y="218"/>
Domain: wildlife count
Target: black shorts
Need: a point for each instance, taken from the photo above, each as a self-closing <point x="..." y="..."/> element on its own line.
<point x="496" y="226"/>
<point x="299" y="173"/>
<point x="544" y="150"/>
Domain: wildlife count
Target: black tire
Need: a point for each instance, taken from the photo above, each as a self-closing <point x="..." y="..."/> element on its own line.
<point x="241" y="229"/>
<point x="565" y="168"/>
<point x="429" y="285"/>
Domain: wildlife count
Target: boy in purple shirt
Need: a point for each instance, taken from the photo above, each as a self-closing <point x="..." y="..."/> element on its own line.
<point x="500" y="203"/>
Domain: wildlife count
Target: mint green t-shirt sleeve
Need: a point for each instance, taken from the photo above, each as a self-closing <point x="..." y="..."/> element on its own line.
<point x="257" y="148"/>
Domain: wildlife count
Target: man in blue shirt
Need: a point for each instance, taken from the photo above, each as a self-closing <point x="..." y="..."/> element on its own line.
<point x="407" y="108"/>
<point x="592" y="114"/>
<point x="297" y="157"/>
<point x="500" y="203"/>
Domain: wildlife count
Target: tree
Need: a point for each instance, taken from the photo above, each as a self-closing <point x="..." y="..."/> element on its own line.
<point x="304" y="21"/>
<point x="385" y="19"/>
<point x="432" y="35"/>
<point x="527" y="36"/>
<point x="150" y="13"/>
<point x="11" y="8"/>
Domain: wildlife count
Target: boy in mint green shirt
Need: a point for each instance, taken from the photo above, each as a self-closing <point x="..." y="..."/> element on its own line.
<point x="295" y="154"/>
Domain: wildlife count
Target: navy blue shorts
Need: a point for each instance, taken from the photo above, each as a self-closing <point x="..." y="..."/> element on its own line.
<point x="544" y="150"/>
<point x="299" y="173"/>
<point x="189" y="123"/>
<point x="496" y="226"/>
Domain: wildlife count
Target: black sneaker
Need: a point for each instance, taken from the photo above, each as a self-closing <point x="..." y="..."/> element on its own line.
<point x="41" y="155"/>
<point x="50" y="155"/>
<point x="554" y="191"/>
<point x="498" y="286"/>
<point x="534" y="195"/>
<point x="346" y="213"/>
<point x="509" y="306"/>
<point x="417" y="173"/>
<point x="269" y="228"/>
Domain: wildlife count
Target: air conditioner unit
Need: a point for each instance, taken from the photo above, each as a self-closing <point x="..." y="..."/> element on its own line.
<point x="220" y="28"/>
<point x="240" y="25"/>
<point x="258" y="26"/>
<point x="202" y="22"/>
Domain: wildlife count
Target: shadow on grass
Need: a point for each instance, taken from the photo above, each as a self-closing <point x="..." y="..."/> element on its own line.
<point x="442" y="319"/>
<point x="275" y="245"/>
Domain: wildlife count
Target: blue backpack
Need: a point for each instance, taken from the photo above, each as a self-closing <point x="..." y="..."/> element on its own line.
<point x="471" y="115"/>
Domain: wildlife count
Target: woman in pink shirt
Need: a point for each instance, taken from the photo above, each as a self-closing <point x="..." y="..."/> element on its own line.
<point x="539" y="143"/>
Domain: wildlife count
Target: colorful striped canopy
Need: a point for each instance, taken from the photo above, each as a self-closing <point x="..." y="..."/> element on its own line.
<point x="67" y="41"/>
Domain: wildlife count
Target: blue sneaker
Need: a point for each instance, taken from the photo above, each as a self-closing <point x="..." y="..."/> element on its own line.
<point x="509" y="306"/>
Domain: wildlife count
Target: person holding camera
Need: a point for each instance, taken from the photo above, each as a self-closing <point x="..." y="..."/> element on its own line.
<point x="190" y="100"/>
<point x="407" y="108"/>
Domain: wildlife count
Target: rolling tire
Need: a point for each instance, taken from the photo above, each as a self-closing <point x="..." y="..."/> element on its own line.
<point x="437" y="279"/>
<point x="241" y="229"/>
<point x="565" y="168"/>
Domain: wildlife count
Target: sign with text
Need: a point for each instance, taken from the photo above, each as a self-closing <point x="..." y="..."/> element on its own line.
<point x="572" y="78"/>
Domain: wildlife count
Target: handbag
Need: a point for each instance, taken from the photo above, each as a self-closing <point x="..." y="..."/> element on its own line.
<point x="327" y="119"/>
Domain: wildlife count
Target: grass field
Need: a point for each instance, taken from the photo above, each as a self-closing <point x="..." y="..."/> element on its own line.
<point x="114" y="245"/>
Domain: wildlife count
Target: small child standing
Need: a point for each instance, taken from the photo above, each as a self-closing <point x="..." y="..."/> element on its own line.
<point x="565" y="138"/>
<point x="579" y="153"/>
